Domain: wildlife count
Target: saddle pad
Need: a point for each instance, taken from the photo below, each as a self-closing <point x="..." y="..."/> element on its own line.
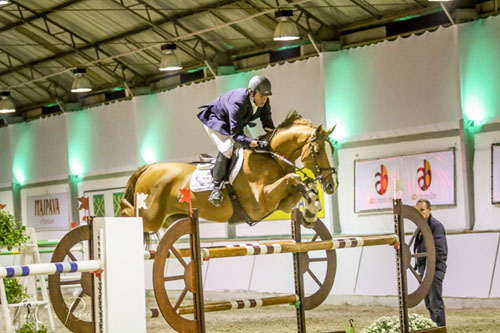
<point x="201" y="179"/>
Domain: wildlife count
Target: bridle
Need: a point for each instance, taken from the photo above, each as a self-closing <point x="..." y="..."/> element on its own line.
<point x="314" y="153"/>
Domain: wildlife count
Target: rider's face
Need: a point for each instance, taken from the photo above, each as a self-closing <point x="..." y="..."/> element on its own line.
<point x="259" y="99"/>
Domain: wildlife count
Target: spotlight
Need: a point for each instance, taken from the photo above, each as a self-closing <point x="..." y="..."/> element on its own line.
<point x="169" y="60"/>
<point x="81" y="84"/>
<point x="6" y="104"/>
<point x="286" y="28"/>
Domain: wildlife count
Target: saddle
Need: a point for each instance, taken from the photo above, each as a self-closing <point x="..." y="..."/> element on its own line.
<point x="201" y="181"/>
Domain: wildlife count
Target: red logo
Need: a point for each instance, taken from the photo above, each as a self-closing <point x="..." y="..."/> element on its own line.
<point x="424" y="181"/>
<point x="383" y="182"/>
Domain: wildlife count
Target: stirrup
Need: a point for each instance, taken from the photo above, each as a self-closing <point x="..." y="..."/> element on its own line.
<point x="216" y="197"/>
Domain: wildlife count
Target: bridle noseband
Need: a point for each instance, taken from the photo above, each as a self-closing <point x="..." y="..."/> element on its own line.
<point x="314" y="154"/>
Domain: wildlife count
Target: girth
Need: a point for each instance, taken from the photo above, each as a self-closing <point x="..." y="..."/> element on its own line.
<point x="239" y="213"/>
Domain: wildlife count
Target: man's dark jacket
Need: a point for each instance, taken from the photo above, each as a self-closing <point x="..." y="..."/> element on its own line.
<point x="231" y="112"/>
<point x="439" y="241"/>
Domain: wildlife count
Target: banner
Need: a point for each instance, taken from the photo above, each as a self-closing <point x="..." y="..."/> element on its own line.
<point x="49" y="211"/>
<point x="495" y="173"/>
<point x="429" y="176"/>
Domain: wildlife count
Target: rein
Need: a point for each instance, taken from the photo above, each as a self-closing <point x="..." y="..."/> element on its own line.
<point x="295" y="167"/>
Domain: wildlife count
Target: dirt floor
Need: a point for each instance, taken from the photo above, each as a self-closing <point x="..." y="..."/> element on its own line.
<point x="326" y="318"/>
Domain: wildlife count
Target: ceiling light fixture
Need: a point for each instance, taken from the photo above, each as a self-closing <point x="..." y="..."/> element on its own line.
<point x="286" y="28"/>
<point x="4" y="2"/>
<point x="6" y="103"/>
<point x="169" y="60"/>
<point x="81" y="84"/>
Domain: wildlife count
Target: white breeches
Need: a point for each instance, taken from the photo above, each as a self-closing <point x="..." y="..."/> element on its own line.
<point x="224" y="143"/>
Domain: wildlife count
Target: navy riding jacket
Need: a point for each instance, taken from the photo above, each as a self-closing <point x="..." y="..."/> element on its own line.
<point x="440" y="243"/>
<point x="231" y="112"/>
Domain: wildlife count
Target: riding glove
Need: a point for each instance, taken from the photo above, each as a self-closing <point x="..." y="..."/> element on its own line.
<point x="263" y="145"/>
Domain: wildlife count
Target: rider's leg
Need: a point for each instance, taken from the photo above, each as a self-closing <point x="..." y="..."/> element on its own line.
<point x="224" y="145"/>
<point x="219" y="175"/>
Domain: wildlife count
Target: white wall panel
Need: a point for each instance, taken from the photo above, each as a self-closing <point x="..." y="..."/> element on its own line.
<point x="395" y="87"/>
<point x="229" y="273"/>
<point x="348" y="261"/>
<point x="487" y="214"/>
<point x="6" y="199"/>
<point x="273" y="273"/>
<point x="6" y="158"/>
<point x="470" y="264"/>
<point x="167" y="127"/>
<point x="102" y="139"/>
<point x="377" y="272"/>
<point x="495" y="283"/>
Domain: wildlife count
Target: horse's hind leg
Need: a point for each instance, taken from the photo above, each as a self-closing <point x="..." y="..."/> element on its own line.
<point x="155" y="214"/>
<point x="127" y="209"/>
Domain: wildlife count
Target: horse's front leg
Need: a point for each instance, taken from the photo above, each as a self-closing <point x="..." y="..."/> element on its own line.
<point x="284" y="193"/>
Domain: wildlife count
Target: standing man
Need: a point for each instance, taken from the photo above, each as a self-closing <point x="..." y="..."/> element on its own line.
<point x="434" y="299"/>
<point x="225" y="119"/>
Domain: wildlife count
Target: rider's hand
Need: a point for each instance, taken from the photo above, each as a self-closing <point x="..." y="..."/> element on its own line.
<point x="263" y="145"/>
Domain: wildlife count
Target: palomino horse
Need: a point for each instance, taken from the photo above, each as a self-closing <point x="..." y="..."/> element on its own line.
<point x="265" y="183"/>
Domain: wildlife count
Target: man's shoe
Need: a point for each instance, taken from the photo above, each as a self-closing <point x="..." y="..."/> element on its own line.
<point x="216" y="197"/>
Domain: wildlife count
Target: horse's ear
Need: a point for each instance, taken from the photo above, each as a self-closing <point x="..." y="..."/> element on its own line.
<point x="331" y="129"/>
<point x="317" y="132"/>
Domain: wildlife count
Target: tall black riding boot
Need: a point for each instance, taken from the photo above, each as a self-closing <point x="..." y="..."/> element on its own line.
<point x="219" y="174"/>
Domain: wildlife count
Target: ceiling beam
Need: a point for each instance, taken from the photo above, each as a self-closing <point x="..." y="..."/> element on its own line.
<point x="128" y="33"/>
<point x="72" y="36"/>
<point x="368" y="8"/>
<point x="39" y="15"/>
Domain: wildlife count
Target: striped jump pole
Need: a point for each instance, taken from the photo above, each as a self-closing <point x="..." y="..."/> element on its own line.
<point x="243" y="304"/>
<point x="51" y="268"/>
<point x="297" y="247"/>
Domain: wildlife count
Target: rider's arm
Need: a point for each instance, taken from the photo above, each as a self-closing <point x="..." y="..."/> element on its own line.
<point x="266" y="117"/>
<point x="236" y="125"/>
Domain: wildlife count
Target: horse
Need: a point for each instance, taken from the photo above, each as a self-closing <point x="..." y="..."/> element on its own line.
<point x="266" y="182"/>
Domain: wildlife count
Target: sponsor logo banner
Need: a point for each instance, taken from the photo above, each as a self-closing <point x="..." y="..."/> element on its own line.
<point x="50" y="211"/>
<point x="495" y="186"/>
<point x="429" y="176"/>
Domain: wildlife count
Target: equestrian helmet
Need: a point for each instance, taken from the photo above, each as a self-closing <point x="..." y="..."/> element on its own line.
<point x="260" y="84"/>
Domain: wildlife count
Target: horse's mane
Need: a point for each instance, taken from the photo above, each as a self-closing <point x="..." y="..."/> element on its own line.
<point x="294" y="118"/>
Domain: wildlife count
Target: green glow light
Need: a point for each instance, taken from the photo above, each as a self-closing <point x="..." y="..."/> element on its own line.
<point x="479" y="72"/>
<point x="80" y="142"/>
<point x="401" y="19"/>
<point x="22" y="152"/>
<point x="19" y="177"/>
<point x="229" y="82"/>
<point x="197" y="69"/>
<point x="50" y="105"/>
<point x="76" y="167"/>
<point x="117" y="89"/>
<point x="474" y="109"/>
<point x="341" y="87"/>
<point x="148" y="155"/>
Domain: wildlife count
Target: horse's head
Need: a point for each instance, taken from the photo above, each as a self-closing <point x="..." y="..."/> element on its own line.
<point x="317" y="155"/>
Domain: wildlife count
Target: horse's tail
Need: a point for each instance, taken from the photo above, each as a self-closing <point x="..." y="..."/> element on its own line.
<point x="128" y="197"/>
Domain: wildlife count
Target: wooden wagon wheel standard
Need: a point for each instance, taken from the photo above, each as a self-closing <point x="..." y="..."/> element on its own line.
<point x="330" y="259"/>
<point x="165" y="250"/>
<point x="425" y="281"/>
<point x="65" y="312"/>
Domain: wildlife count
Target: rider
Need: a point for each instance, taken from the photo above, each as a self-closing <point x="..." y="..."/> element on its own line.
<point x="224" y="120"/>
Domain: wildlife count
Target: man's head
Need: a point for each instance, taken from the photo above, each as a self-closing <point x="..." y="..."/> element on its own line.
<point x="260" y="89"/>
<point x="424" y="208"/>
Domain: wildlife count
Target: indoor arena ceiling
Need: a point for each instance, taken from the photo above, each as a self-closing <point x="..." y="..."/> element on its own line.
<point x="118" y="41"/>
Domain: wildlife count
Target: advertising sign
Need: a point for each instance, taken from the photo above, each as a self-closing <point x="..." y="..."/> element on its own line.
<point x="429" y="176"/>
<point x="49" y="211"/>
